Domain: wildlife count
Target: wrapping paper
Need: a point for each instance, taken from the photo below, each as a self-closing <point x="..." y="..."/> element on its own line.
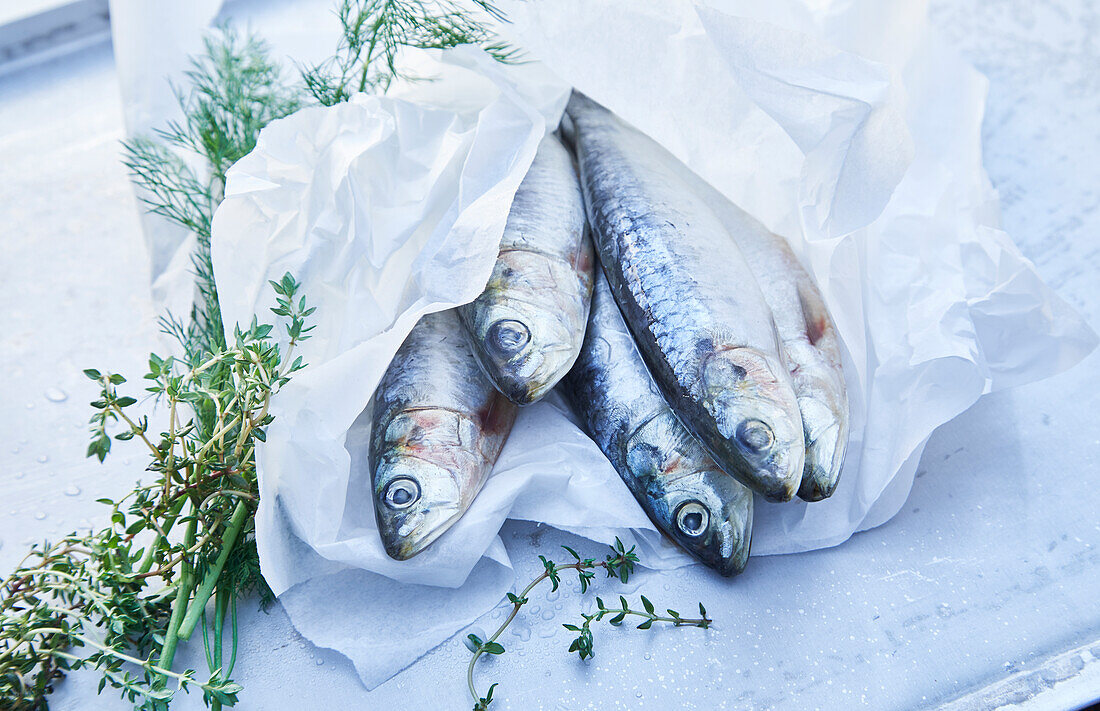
<point x="847" y="126"/>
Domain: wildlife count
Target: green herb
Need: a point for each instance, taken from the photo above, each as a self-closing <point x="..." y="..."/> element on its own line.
<point x="120" y="599"/>
<point x="234" y="90"/>
<point x="619" y="563"/>
<point x="373" y="32"/>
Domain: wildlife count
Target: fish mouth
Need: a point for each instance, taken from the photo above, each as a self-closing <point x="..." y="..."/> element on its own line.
<point x="727" y="553"/>
<point x="415" y="502"/>
<point x="404" y="547"/>
<point x="781" y="480"/>
<point x="729" y="566"/>
<point x="523" y="389"/>
<point x="826" y="442"/>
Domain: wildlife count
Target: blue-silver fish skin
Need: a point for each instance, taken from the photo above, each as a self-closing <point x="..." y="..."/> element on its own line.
<point x="527" y="325"/>
<point x="692" y="303"/>
<point x="679" y="486"/>
<point x="437" y="428"/>
<point x="810" y="343"/>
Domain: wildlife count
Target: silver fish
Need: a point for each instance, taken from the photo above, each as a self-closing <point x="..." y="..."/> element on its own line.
<point x="527" y="326"/>
<point x="692" y="303"/>
<point x="809" y="340"/>
<point x="670" y="474"/>
<point x="437" y="428"/>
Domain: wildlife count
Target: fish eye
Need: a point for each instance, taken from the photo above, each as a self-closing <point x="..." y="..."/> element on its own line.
<point x="692" y="518"/>
<point x="507" y="337"/>
<point x="402" y="493"/>
<point x="755" y="436"/>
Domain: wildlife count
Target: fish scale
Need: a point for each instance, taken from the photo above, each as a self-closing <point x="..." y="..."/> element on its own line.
<point x="664" y="466"/>
<point x="691" y="301"/>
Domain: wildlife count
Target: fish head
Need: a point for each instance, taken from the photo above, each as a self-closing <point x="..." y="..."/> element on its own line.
<point x="415" y="501"/>
<point x="826" y="429"/>
<point x="524" y="348"/>
<point x="750" y="397"/>
<point x="709" y="514"/>
<point x="699" y="506"/>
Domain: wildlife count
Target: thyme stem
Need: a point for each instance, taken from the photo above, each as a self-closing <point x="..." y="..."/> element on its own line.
<point x="194" y="612"/>
<point x="179" y="604"/>
<point x="169" y="521"/>
<point x="508" y="620"/>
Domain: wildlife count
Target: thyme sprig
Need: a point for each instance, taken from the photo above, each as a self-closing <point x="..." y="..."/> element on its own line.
<point x="619" y="563"/>
<point x="120" y="599"/>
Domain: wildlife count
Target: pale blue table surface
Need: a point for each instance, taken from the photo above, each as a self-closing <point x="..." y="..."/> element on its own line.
<point x="984" y="587"/>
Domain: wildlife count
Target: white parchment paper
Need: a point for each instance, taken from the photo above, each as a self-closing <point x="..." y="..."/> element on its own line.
<point x="846" y="126"/>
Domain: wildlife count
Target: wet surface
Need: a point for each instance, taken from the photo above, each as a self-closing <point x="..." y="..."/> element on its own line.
<point x="992" y="566"/>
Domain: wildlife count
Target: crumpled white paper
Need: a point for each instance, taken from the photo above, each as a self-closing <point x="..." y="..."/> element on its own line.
<point x="845" y="125"/>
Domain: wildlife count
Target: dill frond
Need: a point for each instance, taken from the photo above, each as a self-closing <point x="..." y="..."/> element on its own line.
<point x="373" y="32"/>
<point x="119" y="600"/>
<point x="233" y="90"/>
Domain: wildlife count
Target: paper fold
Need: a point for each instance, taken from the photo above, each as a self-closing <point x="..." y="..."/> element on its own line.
<point x="847" y="127"/>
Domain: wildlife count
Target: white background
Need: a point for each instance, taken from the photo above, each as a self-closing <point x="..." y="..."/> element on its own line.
<point x="991" y="568"/>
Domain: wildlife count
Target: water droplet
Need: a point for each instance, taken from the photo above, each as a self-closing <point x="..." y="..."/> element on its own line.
<point x="20" y="475"/>
<point x="548" y="614"/>
<point x="56" y="395"/>
<point x="320" y="662"/>
<point x="522" y="631"/>
<point x="647" y="655"/>
<point x="43" y="458"/>
<point x="40" y="516"/>
<point x="553" y="595"/>
<point x="72" y="490"/>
